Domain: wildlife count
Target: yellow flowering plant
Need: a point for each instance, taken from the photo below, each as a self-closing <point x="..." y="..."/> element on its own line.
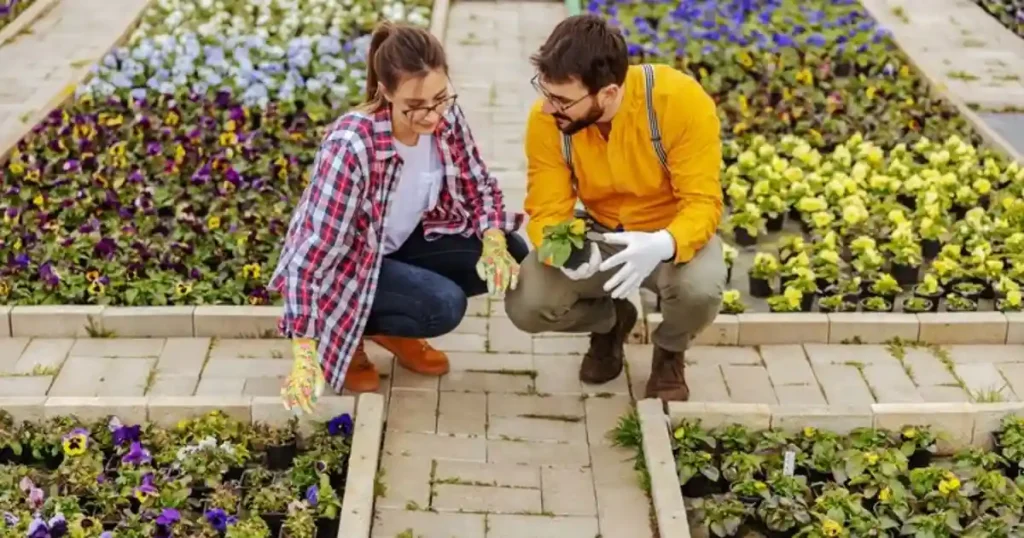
<point x="739" y="466"/>
<point x="561" y="240"/>
<point x="732" y="302"/>
<point x="1011" y="302"/>
<point x="918" y="443"/>
<point x="790" y="300"/>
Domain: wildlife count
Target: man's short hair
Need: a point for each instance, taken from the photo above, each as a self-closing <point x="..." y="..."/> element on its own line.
<point x="584" y="48"/>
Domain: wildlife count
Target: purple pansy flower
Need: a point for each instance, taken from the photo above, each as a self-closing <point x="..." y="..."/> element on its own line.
<point x="127" y="434"/>
<point x="340" y="425"/>
<point x="219" y="519"/>
<point x="137" y="455"/>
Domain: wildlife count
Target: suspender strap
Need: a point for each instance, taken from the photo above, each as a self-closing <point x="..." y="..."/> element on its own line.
<point x="652" y="119"/>
<point x="567" y="155"/>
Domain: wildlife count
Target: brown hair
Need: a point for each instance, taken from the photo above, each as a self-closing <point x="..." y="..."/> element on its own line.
<point x="584" y="48"/>
<point x="398" y="51"/>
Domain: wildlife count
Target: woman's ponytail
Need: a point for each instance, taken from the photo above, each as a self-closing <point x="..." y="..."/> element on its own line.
<point x="380" y="34"/>
<point x="397" y="51"/>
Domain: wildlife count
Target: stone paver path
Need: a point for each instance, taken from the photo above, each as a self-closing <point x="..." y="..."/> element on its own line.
<point x="54" y="51"/>
<point x="960" y="45"/>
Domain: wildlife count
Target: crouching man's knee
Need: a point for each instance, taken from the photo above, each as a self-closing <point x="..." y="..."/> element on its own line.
<point x="536" y="305"/>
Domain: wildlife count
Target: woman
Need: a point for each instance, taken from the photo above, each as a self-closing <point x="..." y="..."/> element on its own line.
<point x="400" y="224"/>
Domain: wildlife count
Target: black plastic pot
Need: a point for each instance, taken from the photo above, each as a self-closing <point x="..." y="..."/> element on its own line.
<point x="959" y="211"/>
<point x="760" y="288"/>
<point x="930" y="248"/>
<point x="864" y="308"/>
<point x="728" y="274"/>
<point x="743" y="237"/>
<point x="234" y="474"/>
<point x="7" y="455"/>
<point x="578" y="256"/>
<point x="280" y="457"/>
<point x="919" y="459"/>
<point x="905" y="275"/>
<point x="935" y="299"/>
<point x="807" y="302"/>
<point x="931" y="307"/>
<point x="700" y="486"/>
<point x="949" y="308"/>
<point x="907" y="200"/>
<point x="823" y="283"/>
<point x="52" y="461"/>
<point x="326" y="528"/>
<point x="274" y="522"/>
<point x="974" y="296"/>
<point x="775" y="224"/>
<point x="848" y="308"/>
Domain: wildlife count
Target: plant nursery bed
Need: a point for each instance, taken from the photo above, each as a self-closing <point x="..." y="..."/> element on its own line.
<point x="210" y="475"/>
<point x="746" y="482"/>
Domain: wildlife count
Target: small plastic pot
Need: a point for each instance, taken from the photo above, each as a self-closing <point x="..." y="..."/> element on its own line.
<point x="760" y="288"/>
<point x="743" y="237"/>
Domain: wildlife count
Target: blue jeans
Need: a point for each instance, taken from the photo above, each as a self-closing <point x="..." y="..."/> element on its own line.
<point x="424" y="286"/>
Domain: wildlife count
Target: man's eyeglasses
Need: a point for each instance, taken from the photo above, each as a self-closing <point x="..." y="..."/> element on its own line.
<point x="558" y="102"/>
<point x="420" y="113"/>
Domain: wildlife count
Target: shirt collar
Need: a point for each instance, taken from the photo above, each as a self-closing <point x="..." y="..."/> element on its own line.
<point x="383" y="131"/>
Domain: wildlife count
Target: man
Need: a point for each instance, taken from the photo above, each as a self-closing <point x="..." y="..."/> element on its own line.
<point x="639" y="146"/>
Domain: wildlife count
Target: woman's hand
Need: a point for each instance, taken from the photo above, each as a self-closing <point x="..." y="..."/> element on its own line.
<point x="306" y="383"/>
<point x="496" y="266"/>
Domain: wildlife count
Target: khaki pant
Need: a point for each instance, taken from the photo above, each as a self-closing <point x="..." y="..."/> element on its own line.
<point x="691" y="295"/>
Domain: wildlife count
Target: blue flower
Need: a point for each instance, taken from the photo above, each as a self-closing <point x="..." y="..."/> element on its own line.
<point x="340" y="425"/>
<point x="313" y="495"/>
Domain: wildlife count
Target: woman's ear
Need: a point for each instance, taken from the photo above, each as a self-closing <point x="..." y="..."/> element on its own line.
<point x="382" y="92"/>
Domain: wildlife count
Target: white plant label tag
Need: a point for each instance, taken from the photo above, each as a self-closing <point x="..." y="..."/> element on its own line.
<point x="789" y="463"/>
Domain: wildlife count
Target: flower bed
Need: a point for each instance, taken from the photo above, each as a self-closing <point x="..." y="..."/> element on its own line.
<point x="211" y="476"/>
<point x="820" y="69"/>
<point x="171" y="177"/>
<point x="10" y="9"/>
<point x="912" y="229"/>
<point x="867" y="483"/>
<point x="1009" y="12"/>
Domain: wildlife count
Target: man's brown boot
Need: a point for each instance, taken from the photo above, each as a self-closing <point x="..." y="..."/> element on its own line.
<point x="668" y="377"/>
<point x="603" y="361"/>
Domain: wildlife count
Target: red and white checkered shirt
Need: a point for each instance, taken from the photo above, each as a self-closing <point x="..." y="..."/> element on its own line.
<point x="332" y="253"/>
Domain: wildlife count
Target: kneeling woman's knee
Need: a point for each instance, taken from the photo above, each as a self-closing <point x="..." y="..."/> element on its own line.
<point x="448" y="310"/>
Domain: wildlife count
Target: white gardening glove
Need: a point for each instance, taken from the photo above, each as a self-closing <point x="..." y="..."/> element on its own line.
<point x="586" y="269"/>
<point x="643" y="252"/>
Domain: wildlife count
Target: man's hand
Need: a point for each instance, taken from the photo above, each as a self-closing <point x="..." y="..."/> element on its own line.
<point x="496" y="266"/>
<point x="586" y="269"/>
<point x="306" y="382"/>
<point x="642" y="253"/>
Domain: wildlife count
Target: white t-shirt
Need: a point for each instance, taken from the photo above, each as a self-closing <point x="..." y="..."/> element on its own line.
<point x="418" y="189"/>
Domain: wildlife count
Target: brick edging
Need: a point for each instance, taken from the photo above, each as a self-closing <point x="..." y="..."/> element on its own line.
<point x="666" y="495"/>
<point x="368" y="412"/>
<point x="858" y="327"/>
<point x="357" y="504"/>
<point x="961" y="425"/>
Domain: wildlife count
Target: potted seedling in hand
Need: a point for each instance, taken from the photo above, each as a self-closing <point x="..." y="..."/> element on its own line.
<point x="564" y="244"/>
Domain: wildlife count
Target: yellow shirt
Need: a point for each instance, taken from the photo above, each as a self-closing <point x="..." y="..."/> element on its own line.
<point x="621" y="180"/>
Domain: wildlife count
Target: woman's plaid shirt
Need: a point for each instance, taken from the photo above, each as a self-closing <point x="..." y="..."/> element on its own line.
<point x="332" y="253"/>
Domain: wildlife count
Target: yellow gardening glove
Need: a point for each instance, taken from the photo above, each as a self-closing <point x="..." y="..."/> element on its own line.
<point x="496" y="266"/>
<point x="306" y="383"/>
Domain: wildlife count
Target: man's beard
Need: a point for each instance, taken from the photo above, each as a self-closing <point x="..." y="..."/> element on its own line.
<point x="574" y="126"/>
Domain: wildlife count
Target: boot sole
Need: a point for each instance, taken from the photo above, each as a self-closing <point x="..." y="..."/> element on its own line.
<point x="634" y="315"/>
